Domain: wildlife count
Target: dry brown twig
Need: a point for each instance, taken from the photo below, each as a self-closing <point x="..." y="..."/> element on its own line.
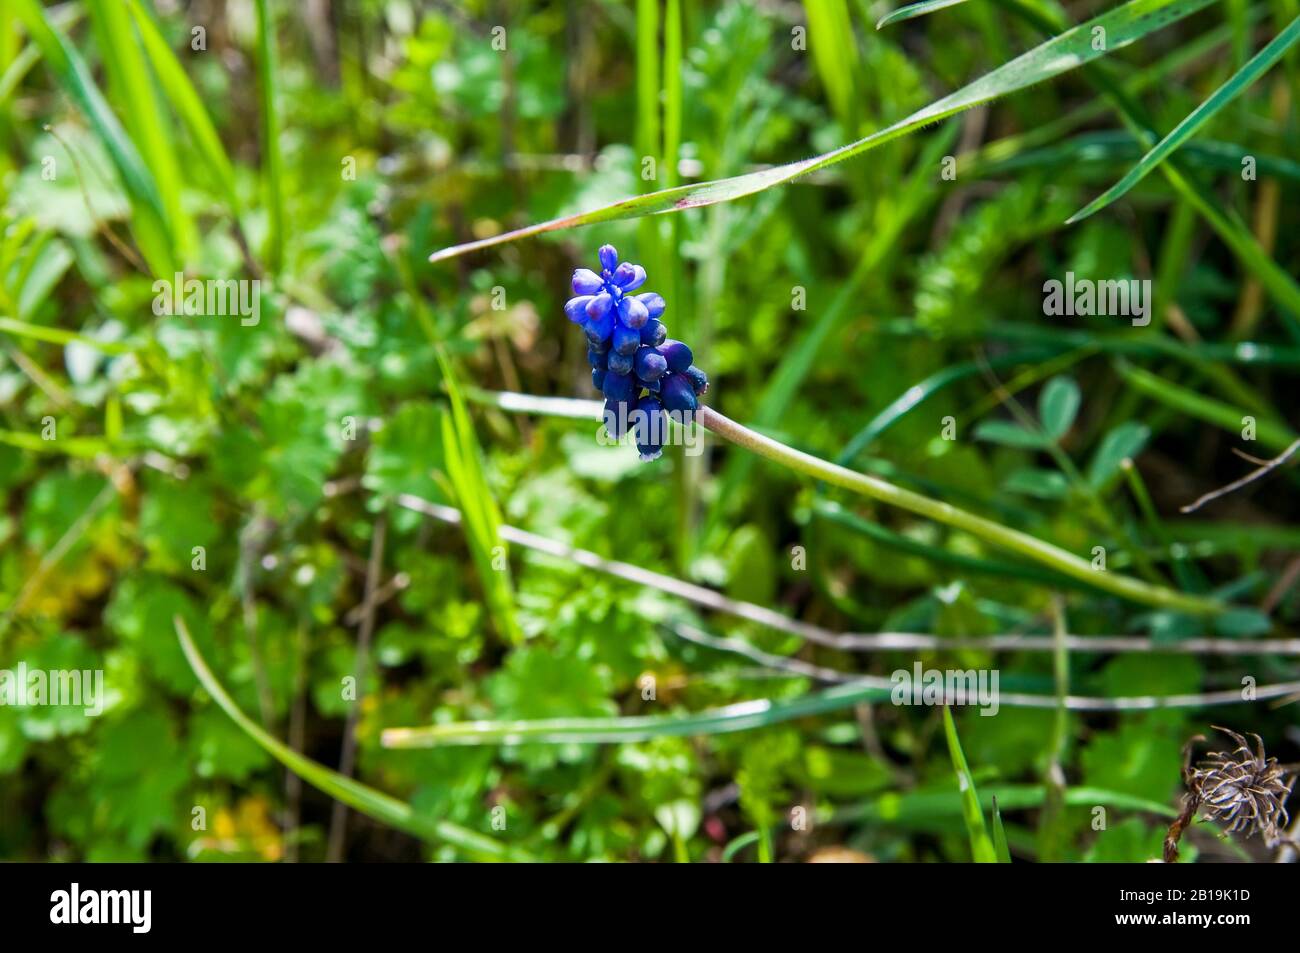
<point x="1266" y="467"/>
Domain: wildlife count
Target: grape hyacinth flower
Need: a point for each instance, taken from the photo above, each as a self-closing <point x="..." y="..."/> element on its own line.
<point x="645" y="377"/>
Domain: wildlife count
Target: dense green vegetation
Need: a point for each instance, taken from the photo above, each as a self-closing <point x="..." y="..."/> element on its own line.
<point x="345" y="532"/>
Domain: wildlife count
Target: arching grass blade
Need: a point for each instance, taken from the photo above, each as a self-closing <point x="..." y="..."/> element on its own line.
<point x="1259" y="64"/>
<point x="1073" y="48"/>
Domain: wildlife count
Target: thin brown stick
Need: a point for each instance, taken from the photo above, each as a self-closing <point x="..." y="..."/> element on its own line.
<point x="1258" y="474"/>
<point x="852" y="641"/>
<point x="347" y="758"/>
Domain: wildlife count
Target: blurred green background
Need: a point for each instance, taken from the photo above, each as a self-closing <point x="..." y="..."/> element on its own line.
<point x="247" y="478"/>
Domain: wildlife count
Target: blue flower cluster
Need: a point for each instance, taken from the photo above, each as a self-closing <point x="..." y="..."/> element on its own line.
<point x="644" y="375"/>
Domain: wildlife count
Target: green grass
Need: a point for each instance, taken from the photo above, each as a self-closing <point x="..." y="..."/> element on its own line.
<point x="575" y="656"/>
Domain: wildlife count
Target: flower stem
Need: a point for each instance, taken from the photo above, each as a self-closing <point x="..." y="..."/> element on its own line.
<point x="995" y="533"/>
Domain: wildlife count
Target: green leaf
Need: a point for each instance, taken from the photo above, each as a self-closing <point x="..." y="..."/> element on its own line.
<point x="272" y="164"/>
<point x="1070" y="50"/>
<point x="132" y="86"/>
<point x="1008" y="434"/>
<point x="913" y="10"/>
<point x="1272" y="433"/>
<point x="1040" y="484"/>
<point x="981" y="847"/>
<point x="1058" y="405"/>
<point x="186" y="101"/>
<point x="1240" y="81"/>
<point x="835" y="54"/>
<point x="372" y="803"/>
<point x="463" y="458"/>
<point x="149" y="221"/>
<point x="1125" y="441"/>
<point x="1000" y="836"/>
<point x="1242" y="623"/>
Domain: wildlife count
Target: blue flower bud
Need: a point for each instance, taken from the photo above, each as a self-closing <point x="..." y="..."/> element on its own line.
<point x="600" y="329"/>
<point x="617" y="415"/>
<point x="653" y="333"/>
<point x="676" y="392"/>
<point x="699" y="380"/>
<point x="622" y="387"/>
<point x="597" y="358"/>
<point x="626" y="341"/>
<point x="628" y="276"/>
<point x="633" y="313"/>
<point x="586" y="282"/>
<point x="608" y="257"/>
<point x="598" y="377"/>
<point x="653" y="301"/>
<point x="650" y="365"/>
<point x="619" y="363"/>
<point x="678" y="355"/>
<point x="600" y="305"/>
<point x="651" y="427"/>
<point x="575" y="309"/>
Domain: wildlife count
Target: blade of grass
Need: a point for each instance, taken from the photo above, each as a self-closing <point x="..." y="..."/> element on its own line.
<point x="1073" y="48"/>
<point x="913" y="10"/>
<point x="761" y="712"/>
<point x="133" y="87"/>
<point x="148" y="219"/>
<point x="830" y="35"/>
<point x="1000" y="835"/>
<point x="40" y="332"/>
<point x="981" y="846"/>
<point x="1234" y="87"/>
<point x="482" y="520"/>
<point x="921" y="807"/>
<point x="1229" y="226"/>
<point x="272" y="163"/>
<point x="187" y="103"/>
<point x="1275" y="435"/>
<point x="375" y="804"/>
<point x="648" y="144"/>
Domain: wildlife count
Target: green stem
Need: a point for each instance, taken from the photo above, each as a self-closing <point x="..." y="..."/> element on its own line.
<point x="995" y="533"/>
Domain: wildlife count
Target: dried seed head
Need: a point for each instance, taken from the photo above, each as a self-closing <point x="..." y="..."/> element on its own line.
<point x="1243" y="789"/>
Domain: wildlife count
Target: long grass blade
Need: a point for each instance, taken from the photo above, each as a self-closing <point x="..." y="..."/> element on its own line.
<point x="761" y="712"/>
<point x="187" y="103"/>
<point x="913" y="10"/>
<point x="272" y="163"/>
<point x="1000" y="836"/>
<point x="981" y="845"/>
<point x="133" y="87"/>
<point x="149" y="218"/>
<point x="1234" y="87"/>
<point x="923" y="807"/>
<point x="382" y="807"/>
<point x="1070" y="50"/>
